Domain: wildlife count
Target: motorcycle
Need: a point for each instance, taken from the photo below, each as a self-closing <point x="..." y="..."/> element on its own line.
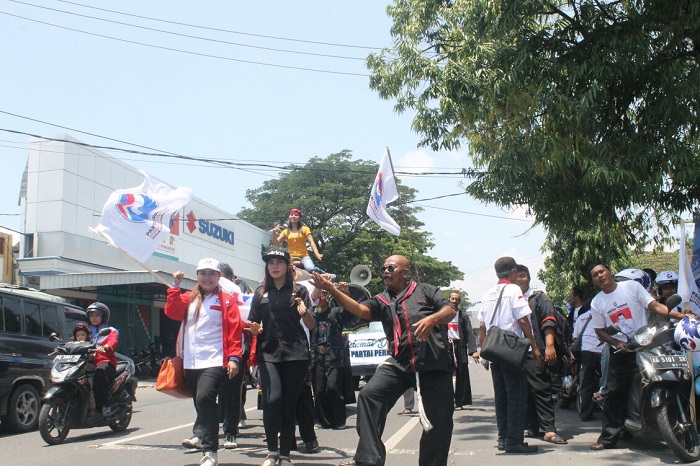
<point x="568" y="389"/>
<point x="661" y="390"/>
<point x="67" y="404"/>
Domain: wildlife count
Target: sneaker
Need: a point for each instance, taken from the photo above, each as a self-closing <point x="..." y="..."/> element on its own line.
<point x="270" y="460"/>
<point x="242" y="424"/>
<point x="230" y="442"/>
<point x="193" y="442"/>
<point x="285" y="461"/>
<point x="210" y="458"/>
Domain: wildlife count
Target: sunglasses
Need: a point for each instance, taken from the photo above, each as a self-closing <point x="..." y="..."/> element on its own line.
<point x="390" y="268"/>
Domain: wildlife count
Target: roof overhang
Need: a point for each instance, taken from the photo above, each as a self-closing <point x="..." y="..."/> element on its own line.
<point x="155" y="279"/>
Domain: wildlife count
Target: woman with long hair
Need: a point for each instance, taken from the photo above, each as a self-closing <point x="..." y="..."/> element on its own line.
<point x="297" y="235"/>
<point x="276" y="313"/>
<point x="212" y="331"/>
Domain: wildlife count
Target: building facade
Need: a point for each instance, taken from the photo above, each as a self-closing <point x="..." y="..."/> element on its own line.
<point x="64" y="189"/>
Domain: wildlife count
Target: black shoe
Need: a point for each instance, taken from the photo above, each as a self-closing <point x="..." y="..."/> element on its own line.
<point x="309" y="447"/>
<point x="502" y="447"/>
<point x="522" y="448"/>
<point x="354" y="463"/>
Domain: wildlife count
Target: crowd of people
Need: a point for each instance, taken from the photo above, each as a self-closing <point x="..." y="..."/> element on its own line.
<point x="294" y="335"/>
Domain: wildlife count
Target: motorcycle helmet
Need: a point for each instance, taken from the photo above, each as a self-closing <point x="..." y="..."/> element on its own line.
<point x="81" y="326"/>
<point x="666" y="277"/>
<point x="687" y="334"/>
<point x="640" y="276"/>
<point x="101" y="309"/>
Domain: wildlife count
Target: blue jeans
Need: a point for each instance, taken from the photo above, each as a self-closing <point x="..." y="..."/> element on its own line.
<point x="510" y="391"/>
<point x="309" y="265"/>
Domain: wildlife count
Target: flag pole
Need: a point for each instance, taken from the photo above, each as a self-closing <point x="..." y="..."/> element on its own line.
<point x="403" y="215"/>
<point x="144" y="266"/>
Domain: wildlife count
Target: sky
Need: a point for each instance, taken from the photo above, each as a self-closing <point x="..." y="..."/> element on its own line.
<point x="254" y="82"/>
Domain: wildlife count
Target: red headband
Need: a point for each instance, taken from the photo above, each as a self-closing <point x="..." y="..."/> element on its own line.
<point x="295" y="211"/>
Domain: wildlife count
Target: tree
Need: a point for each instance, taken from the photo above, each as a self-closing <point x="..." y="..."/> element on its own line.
<point x="332" y="193"/>
<point x="585" y="112"/>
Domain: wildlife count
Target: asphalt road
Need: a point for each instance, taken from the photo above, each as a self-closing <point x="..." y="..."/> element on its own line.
<point x="160" y="423"/>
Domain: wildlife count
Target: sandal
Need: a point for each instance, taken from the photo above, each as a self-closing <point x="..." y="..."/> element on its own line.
<point x="599" y="399"/>
<point x="555" y="439"/>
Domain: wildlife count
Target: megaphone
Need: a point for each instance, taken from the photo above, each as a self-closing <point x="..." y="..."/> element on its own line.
<point x="360" y="275"/>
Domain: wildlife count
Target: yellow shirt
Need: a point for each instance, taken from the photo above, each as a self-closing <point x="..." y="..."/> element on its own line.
<point x="296" y="241"/>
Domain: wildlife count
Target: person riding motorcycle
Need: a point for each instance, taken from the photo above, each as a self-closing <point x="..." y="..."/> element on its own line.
<point x="105" y="359"/>
<point x="667" y="283"/>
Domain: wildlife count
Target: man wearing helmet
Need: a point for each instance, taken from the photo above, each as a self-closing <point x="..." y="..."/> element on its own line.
<point x="667" y="281"/>
<point x="105" y="359"/>
<point x="629" y="299"/>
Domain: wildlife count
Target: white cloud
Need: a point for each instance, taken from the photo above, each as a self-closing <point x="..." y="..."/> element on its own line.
<point x="416" y="161"/>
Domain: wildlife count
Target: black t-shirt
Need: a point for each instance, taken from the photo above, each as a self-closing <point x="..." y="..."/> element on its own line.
<point x="283" y="337"/>
<point x="407" y="353"/>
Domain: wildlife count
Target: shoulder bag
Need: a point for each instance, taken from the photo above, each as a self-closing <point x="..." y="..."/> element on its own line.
<point x="504" y="348"/>
<point x="171" y="377"/>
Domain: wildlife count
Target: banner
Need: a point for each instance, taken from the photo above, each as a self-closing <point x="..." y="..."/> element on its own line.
<point x="384" y="192"/>
<point x="137" y="220"/>
<point x="687" y="286"/>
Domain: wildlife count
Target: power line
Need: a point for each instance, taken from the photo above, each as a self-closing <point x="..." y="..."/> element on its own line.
<point x="224" y="30"/>
<point x="474" y="213"/>
<point x="218" y="162"/>
<point x="272" y="49"/>
<point x="171" y="49"/>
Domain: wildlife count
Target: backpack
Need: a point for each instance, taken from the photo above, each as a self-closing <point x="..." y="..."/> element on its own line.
<point x="563" y="329"/>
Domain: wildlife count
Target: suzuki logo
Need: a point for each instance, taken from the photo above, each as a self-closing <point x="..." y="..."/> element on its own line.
<point x="191" y="222"/>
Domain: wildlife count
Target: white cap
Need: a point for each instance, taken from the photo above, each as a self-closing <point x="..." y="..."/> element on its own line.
<point x="208" y="263"/>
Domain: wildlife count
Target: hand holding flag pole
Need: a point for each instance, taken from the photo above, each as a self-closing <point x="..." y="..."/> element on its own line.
<point x="137" y="220"/>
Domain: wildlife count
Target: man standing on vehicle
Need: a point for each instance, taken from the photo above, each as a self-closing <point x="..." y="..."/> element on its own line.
<point x="414" y="317"/>
<point x="628" y="299"/>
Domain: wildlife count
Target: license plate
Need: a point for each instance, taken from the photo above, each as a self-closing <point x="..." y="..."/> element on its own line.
<point x="67" y="358"/>
<point x="670" y="362"/>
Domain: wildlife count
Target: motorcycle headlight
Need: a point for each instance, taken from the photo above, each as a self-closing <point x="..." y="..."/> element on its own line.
<point x="644" y="337"/>
<point x="61" y="372"/>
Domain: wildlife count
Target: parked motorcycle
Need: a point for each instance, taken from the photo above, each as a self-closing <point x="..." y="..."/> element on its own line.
<point x="67" y="404"/>
<point x="661" y="390"/>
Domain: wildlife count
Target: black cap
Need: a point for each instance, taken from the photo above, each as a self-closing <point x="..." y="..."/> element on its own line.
<point x="277" y="252"/>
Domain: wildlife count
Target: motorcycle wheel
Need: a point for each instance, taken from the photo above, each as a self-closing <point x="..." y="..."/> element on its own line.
<point x="681" y="438"/>
<point x="122" y="421"/>
<point x="54" y="422"/>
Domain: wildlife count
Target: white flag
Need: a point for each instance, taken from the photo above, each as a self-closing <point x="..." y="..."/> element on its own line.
<point x="137" y="220"/>
<point x="687" y="287"/>
<point x="383" y="192"/>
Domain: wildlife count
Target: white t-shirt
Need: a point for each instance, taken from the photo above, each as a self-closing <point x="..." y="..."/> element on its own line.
<point x="204" y="345"/>
<point x="513" y="307"/>
<point x="453" y="328"/>
<point x="590" y="340"/>
<point x="625" y="306"/>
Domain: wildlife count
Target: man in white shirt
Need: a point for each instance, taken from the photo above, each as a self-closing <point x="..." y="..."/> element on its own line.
<point x="616" y="299"/>
<point x="510" y="387"/>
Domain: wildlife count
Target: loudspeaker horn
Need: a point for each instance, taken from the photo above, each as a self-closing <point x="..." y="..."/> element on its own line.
<point x="360" y="275"/>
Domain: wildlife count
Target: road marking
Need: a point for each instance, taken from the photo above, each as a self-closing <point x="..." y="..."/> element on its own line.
<point x="150" y="434"/>
<point x="401" y="433"/>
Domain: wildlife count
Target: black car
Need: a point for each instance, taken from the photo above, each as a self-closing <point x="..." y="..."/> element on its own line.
<point x="27" y="320"/>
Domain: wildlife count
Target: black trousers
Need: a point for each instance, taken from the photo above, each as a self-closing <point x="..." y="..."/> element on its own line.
<point x="230" y="401"/>
<point x="540" y="404"/>
<point x="589" y="382"/>
<point x="510" y="394"/>
<point x="330" y="402"/>
<point x="305" y="411"/>
<point x="379" y="396"/>
<point x="104" y="374"/>
<point x="463" y="386"/>
<point x="205" y="385"/>
<point x="621" y="373"/>
<point x="281" y="384"/>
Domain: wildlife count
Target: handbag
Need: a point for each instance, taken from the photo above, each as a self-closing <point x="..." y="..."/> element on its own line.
<point x="504" y="348"/>
<point x="171" y="377"/>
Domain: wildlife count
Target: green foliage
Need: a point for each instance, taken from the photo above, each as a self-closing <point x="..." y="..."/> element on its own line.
<point x="332" y="193"/>
<point x="585" y="112"/>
